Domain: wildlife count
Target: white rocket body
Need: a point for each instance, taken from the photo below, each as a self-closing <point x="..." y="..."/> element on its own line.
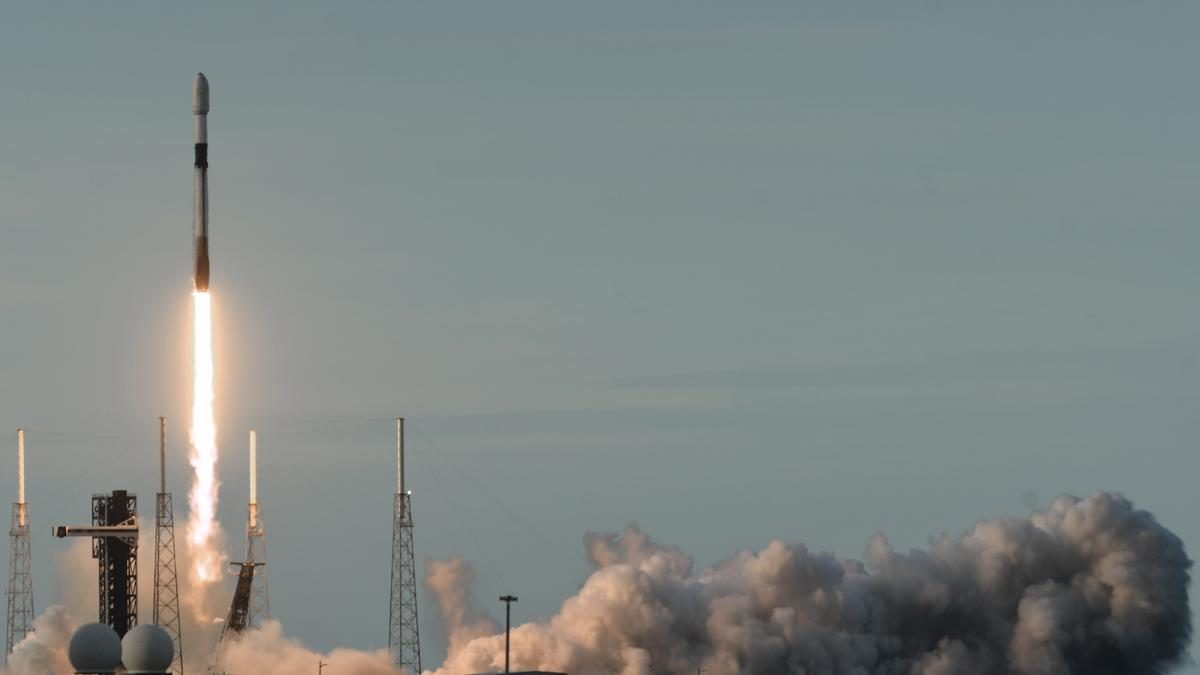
<point x="200" y="192"/>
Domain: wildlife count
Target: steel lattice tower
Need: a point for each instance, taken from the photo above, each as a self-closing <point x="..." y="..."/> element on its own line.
<point x="256" y="546"/>
<point x="20" y="563"/>
<point x="404" y="634"/>
<point x="238" y="618"/>
<point x="118" y="559"/>
<point x="166" y="581"/>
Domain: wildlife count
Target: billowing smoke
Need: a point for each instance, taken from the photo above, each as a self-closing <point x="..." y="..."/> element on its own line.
<point x="267" y="651"/>
<point x="44" y="651"/>
<point x="259" y="651"/>
<point x="450" y="583"/>
<point x="1089" y="586"/>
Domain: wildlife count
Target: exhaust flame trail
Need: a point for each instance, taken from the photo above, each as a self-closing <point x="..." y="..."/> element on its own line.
<point x="202" y="527"/>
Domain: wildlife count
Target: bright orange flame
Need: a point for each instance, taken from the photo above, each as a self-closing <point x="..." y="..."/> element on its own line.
<point x="202" y="527"/>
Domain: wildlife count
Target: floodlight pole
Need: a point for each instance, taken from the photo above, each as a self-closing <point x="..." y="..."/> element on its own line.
<point x="508" y="600"/>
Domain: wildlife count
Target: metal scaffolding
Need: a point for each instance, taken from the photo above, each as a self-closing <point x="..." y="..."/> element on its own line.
<point x="404" y="635"/>
<point x="238" y="618"/>
<point x="20" y="563"/>
<point x="114" y="535"/>
<point x="20" y="581"/>
<point x="166" y="580"/>
<point x="118" y="559"/>
<point x="256" y="547"/>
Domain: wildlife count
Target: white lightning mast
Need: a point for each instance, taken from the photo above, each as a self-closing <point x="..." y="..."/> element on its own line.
<point x="20" y="563"/>
<point x="256" y="545"/>
<point x="166" y="578"/>
<point x="404" y="636"/>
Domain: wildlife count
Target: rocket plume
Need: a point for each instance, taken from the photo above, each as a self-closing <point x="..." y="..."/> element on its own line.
<point x="202" y="528"/>
<point x="204" y="540"/>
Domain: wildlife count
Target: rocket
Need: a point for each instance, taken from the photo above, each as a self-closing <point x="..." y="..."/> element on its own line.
<point x="200" y="193"/>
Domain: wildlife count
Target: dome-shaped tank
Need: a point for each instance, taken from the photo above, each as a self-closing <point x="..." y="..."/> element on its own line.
<point x="95" y="648"/>
<point x="147" y="649"/>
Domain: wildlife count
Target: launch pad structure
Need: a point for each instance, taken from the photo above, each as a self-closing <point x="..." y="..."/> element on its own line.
<point x="238" y="618"/>
<point x="114" y="533"/>
<point x="117" y="554"/>
<point x="166" y="579"/>
<point x="251" y="604"/>
<point x="256" y="546"/>
<point x="19" y="591"/>
<point x="404" y="635"/>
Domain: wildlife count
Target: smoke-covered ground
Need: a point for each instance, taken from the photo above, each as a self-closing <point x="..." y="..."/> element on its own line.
<point x="261" y="651"/>
<point x="1090" y="586"/>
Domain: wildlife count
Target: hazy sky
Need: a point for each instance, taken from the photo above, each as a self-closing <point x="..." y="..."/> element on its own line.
<point x="733" y="270"/>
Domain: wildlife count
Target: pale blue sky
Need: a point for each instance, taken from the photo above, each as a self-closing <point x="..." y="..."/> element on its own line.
<point x="734" y="270"/>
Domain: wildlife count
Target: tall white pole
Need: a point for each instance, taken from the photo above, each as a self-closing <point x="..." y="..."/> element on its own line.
<point x="400" y="455"/>
<point x="21" y="475"/>
<point x="253" y="478"/>
<point x="162" y="455"/>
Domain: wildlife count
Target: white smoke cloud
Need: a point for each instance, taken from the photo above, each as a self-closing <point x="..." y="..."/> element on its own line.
<point x="1088" y="586"/>
<point x="259" y="651"/>
<point x="267" y="651"/>
<point x="44" y="651"/>
<point x="450" y="582"/>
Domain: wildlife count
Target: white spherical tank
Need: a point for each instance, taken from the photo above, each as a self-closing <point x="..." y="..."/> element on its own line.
<point x="147" y="649"/>
<point x="95" y="648"/>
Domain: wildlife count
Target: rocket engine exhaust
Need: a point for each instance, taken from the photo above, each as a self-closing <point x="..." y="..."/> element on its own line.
<point x="203" y="531"/>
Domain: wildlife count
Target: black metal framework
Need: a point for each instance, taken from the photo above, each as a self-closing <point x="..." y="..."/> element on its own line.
<point x="20" y="581"/>
<point x="256" y="552"/>
<point x="118" y="560"/>
<point x="166" y="579"/>
<point x="238" y="618"/>
<point x="404" y="635"/>
<point x="239" y="608"/>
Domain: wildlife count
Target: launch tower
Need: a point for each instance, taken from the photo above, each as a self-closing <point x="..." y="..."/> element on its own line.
<point x="20" y="563"/>
<point x="256" y="546"/>
<point x="251" y="605"/>
<point x="118" y="560"/>
<point x="404" y="635"/>
<point x="114" y="533"/>
<point x="166" y="581"/>
<point x="238" y="618"/>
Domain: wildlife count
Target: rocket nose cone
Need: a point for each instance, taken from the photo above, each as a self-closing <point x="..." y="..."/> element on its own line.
<point x="200" y="95"/>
